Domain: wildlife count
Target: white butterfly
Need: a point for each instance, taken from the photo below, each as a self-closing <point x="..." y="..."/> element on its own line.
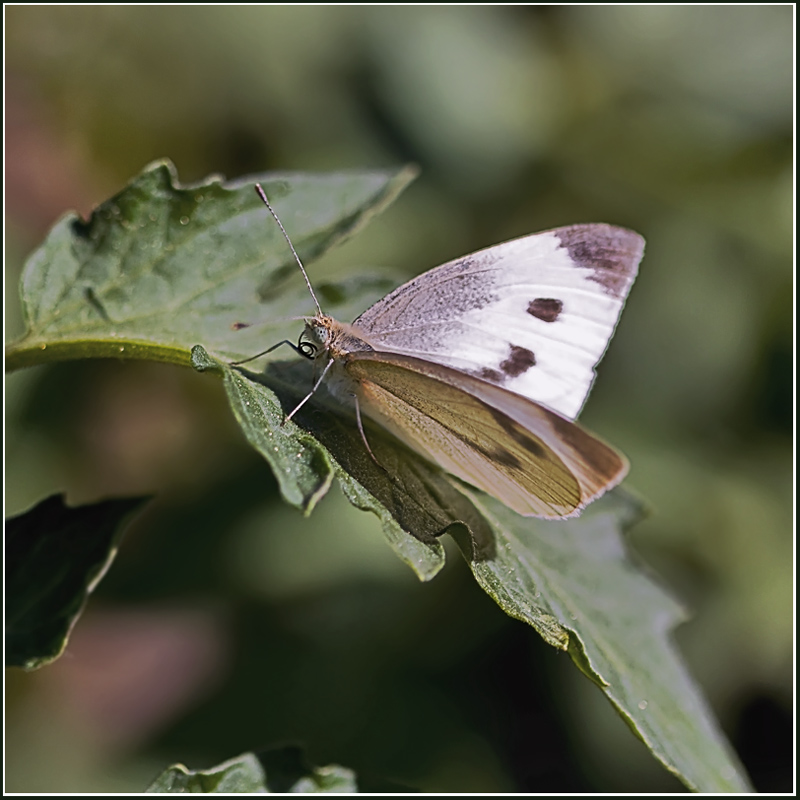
<point x="481" y="364"/>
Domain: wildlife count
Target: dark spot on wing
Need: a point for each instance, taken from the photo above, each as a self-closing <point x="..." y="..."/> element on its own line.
<point x="612" y="254"/>
<point x="490" y="375"/>
<point x="519" y="435"/>
<point x="520" y="360"/>
<point x="506" y="458"/>
<point x="493" y="450"/>
<point x="499" y="456"/>
<point x="546" y="309"/>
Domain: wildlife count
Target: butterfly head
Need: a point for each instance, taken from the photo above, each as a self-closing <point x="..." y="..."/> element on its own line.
<point x="316" y="338"/>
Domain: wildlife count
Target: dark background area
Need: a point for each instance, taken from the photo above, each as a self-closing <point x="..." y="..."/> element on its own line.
<point x="229" y="621"/>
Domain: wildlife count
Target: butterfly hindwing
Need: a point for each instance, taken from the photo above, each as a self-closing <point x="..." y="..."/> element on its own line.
<point x="533" y="315"/>
<point x="531" y="459"/>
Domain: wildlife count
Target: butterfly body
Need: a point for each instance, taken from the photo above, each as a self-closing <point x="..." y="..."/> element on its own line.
<point x="480" y="365"/>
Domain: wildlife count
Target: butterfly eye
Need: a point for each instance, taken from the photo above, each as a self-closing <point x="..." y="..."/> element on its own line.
<point x="307" y="349"/>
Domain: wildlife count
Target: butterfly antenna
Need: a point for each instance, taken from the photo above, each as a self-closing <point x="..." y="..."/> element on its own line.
<point x="262" y="194"/>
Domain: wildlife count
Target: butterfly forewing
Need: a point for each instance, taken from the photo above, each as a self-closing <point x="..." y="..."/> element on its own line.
<point x="533" y="315"/>
<point x="534" y="461"/>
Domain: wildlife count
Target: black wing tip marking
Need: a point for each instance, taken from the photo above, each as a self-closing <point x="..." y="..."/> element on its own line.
<point x="612" y="253"/>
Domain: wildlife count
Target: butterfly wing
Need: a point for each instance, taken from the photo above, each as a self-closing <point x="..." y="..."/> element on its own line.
<point x="533" y="315"/>
<point x="531" y="459"/>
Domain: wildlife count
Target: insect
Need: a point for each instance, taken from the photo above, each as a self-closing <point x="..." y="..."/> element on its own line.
<point x="482" y="364"/>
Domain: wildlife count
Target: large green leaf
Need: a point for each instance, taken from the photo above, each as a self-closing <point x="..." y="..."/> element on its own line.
<point x="55" y="556"/>
<point x="575" y="583"/>
<point x="160" y="267"/>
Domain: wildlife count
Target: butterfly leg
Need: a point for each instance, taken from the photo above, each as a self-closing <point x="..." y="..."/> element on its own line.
<point x="294" y="347"/>
<point x="309" y="395"/>
<point x="364" y="435"/>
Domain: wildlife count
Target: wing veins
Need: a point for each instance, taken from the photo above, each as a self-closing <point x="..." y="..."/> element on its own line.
<point x="528" y="460"/>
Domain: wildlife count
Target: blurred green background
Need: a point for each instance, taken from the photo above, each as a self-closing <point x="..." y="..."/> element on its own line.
<point x="228" y="621"/>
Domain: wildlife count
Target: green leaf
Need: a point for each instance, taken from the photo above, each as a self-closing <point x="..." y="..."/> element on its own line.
<point x="574" y="582"/>
<point x="55" y="556"/>
<point x="280" y="771"/>
<point x="160" y="267"/>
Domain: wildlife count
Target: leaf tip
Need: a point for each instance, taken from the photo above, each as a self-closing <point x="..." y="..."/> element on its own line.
<point x="202" y="361"/>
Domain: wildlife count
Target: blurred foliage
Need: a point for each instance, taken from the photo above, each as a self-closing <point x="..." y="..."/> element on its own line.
<point x="54" y="558"/>
<point x="282" y="770"/>
<point x="220" y="630"/>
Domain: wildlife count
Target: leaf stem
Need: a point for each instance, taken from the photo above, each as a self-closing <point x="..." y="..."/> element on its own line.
<point x="29" y="352"/>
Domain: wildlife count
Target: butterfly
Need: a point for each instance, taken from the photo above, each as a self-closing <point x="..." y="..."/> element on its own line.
<point x="482" y="364"/>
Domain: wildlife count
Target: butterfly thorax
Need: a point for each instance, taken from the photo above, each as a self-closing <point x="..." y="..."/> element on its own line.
<point x="326" y="337"/>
